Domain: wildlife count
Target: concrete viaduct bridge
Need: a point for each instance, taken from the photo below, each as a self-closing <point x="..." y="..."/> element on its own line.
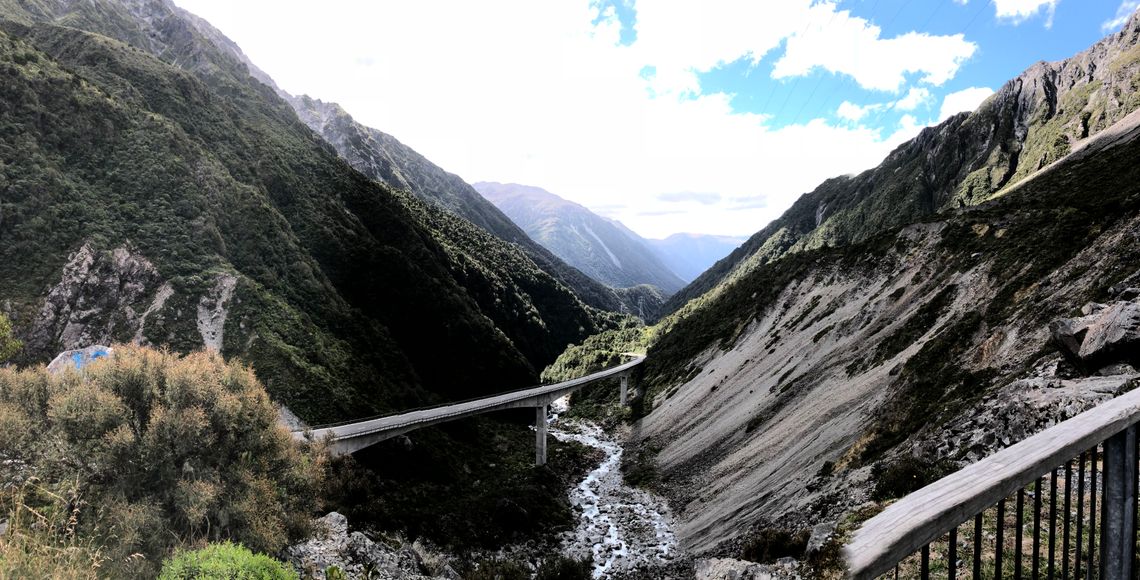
<point x="346" y="438"/>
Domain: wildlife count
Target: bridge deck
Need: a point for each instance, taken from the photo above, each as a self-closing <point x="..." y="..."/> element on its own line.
<point x="350" y="437"/>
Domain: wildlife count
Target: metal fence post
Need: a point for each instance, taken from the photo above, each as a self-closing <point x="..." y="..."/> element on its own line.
<point x="1119" y="506"/>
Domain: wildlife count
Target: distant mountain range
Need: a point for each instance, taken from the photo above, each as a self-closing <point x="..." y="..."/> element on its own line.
<point x="606" y="249"/>
<point x="689" y="255"/>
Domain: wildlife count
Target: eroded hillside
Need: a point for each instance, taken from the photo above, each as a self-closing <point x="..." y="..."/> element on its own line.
<point x="803" y="386"/>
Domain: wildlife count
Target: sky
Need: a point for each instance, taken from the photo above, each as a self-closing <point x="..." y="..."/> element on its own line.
<point x="707" y="116"/>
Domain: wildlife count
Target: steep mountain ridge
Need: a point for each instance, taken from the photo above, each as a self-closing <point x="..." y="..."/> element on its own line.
<point x="1030" y="122"/>
<point x="595" y="245"/>
<point x="823" y="376"/>
<point x="180" y="201"/>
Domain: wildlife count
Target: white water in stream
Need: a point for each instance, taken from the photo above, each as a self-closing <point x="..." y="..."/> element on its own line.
<point x="620" y="527"/>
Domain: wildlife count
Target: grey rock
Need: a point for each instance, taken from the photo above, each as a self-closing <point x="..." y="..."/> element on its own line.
<point x="100" y="295"/>
<point x="1114" y="331"/>
<point x="354" y="553"/>
<point x="730" y="569"/>
<point x="1110" y="335"/>
<point x="820" y="534"/>
<point x="1116" y="370"/>
<point x="1069" y="333"/>
<point x="1092" y="308"/>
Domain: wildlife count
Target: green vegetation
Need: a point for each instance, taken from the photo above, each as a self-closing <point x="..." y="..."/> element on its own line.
<point x="904" y="475"/>
<point x="347" y="292"/>
<point x="469" y="484"/>
<point x="148" y="452"/>
<point x="562" y="568"/>
<point x="769" y="544"/>
<point x="224" y="561"/>
<point x="9" y="346"/>
<point x="41" y="541"/>
<point x="913" y="329"/>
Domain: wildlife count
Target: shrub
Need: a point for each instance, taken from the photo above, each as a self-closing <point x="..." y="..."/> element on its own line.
<point x="164" y="450"/>
<point x="496" y="569"/>
<point x="563" y="568"/>
<point x="768" y="545"/>
<point x="904" y="475"/>
<point x="9" y="346"/>
<point x="224" y="561"/>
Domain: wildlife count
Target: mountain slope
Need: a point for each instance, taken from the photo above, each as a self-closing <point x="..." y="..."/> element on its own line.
<point x="689" y="255"/>
<point x="187" y="206"/>
<point x="1032" y="121"/>
<point x="817" y="379"/>
<point x="383" y="158"/>
<point x="583" y="239"/>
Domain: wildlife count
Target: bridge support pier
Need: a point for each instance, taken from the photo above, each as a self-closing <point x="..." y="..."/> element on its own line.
<point x="1118" y="518"/>
<point x="540" y="435"/>
<point x="624" y="389"/>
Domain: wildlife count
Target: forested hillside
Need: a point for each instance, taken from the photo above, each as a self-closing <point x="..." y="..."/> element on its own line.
<point x="178" y="201"/>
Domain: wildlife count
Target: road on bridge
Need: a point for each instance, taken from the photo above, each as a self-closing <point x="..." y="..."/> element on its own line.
<point x="348" y="438"/>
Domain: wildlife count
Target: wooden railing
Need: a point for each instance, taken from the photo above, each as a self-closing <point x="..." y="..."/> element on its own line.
<point x="918" y="535"/>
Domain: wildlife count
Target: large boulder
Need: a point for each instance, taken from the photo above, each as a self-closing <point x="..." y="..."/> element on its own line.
<point x="1107" y="335"/>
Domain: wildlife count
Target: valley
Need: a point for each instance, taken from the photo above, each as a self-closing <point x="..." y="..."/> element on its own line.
<point x="324" y="352"/>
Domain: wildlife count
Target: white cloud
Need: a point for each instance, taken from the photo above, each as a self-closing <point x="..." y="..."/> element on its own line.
<point x="963" y="100"/>
<point x="537" y="93"/>
<point x="1123" y="13"/>
<point x="841" y="43"/>
<point x="915" y="96"/>
<point x="852" y="112"/>
<point x="1018" y="11"/>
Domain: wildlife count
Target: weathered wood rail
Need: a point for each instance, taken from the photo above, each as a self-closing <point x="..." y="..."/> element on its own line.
<point x="935" y="512"/>
<point x="350" y="437"/>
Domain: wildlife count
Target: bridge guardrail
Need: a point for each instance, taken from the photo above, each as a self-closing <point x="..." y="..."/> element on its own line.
<point x="596" y="376"/>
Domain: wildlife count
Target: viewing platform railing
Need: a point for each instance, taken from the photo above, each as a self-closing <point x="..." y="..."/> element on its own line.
<point x="1060" y="504"/>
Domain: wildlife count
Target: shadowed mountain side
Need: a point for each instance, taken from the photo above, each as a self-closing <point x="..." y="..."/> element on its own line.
<point x="382" y="157"/>
<point x="180" y="202"/>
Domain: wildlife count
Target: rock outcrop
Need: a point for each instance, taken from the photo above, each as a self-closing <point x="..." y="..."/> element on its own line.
<point x="357" y="555"/>
<point x="1107" y="334"/>
<point x="101" y="297"/>
<point x="730" y="569"/>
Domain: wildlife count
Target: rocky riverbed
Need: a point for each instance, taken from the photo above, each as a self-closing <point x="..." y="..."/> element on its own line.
<point x="620" y="528"/>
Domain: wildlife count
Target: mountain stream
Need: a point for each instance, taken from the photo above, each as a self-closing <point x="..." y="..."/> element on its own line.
<point x="621" y="528"/>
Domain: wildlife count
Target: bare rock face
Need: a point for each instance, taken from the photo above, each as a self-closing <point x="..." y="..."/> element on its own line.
<point x="1106" y="335"/>
<point x="213" y="308"/>
<point x="729" y="569"/>
<point x="101" y="298"/>
<point x="354" y="554"/>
